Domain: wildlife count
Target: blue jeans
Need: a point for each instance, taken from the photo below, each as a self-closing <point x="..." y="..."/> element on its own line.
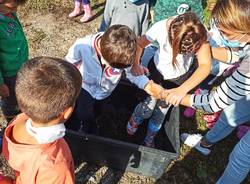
<point x="239" y="161"/>
<point x="231" y="117"/>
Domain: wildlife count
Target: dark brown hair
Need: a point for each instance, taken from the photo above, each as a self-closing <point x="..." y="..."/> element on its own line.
<point x="46" y="86"/>
<point x="186" y="34"/>
<point x="233" y="15"/>
<point x="118" y="46"/>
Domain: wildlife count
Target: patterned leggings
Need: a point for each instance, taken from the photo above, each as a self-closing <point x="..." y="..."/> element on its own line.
<point x="153" y="109"/>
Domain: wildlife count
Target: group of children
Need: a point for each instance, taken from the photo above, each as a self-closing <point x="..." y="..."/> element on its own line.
<point x="49" y="90"/>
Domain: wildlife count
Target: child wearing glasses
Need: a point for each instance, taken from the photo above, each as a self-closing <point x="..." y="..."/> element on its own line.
<point x="101" y="59"/>
<point x="181" y="39"/>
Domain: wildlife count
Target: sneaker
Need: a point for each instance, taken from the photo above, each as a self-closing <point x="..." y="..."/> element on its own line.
<point x="132" y="127"/>
<point x="193" y="141"/>
<point x="189" y="112"/>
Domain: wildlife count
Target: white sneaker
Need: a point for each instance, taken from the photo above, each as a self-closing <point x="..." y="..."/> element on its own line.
<point x="193" y="141"/>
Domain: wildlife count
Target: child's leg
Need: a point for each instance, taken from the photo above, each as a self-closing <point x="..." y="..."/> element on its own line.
<point x="87" y="11"/>
<point x="142" y="111"/>
<point x="155" y="122"/>
<point x="9" y="104"/>
<point x="77" y="10"/>
<point x="85" y="110"/>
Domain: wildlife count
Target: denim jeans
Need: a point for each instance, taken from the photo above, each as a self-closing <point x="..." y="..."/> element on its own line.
<point x="239" y="161"/>
<point x="9" y="104"/>
<point x="231" y="117"/>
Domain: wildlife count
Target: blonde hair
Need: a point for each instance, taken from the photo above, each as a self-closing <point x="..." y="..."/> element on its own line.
<point x="233" y="15"/>
<point x="186" y="34"/>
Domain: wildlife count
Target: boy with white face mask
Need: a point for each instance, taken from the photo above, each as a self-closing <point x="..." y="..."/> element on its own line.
<point x="46" y="90"/>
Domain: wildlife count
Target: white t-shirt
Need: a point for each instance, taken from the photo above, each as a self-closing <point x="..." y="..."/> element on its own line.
<point x="163" y="56"/>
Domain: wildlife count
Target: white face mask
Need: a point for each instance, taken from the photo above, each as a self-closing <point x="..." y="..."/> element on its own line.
<point x="223" y="40"/>
<point x="45" y="135"/>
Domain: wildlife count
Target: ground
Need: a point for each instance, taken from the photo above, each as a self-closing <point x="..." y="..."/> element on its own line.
<point x="51" y="33"/>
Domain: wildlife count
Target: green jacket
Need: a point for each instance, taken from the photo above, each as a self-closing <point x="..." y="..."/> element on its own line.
<point x="13" y="46"/>
<point x="167" y="8"/>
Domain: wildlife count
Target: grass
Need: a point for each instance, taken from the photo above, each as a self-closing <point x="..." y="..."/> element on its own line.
<point x="191" y="167"/>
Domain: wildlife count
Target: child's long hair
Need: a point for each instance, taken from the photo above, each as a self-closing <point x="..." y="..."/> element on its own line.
<point x="186" y="35"/>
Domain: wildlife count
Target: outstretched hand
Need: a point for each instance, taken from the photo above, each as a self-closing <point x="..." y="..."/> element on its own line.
<point x="173" y="96"/>
<point x="137" y="70"/>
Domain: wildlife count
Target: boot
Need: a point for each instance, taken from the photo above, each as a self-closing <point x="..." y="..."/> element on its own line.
<point x="77" y="10"/>
<point x="87" y="13"/>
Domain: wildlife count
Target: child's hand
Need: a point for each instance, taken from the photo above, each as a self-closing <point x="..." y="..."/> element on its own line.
<point x="154" y="89"/>
<point x="138" y="70"/>
<point x="174" y="96"/>
<point x="4" y="90"/>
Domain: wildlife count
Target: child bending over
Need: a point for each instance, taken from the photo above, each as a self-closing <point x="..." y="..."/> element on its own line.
<point x="46" y="90"/>
<point x="181" y="39"/>
<point x="101" y="59"/>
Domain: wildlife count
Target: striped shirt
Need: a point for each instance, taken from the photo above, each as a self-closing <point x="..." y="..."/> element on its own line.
<point x="231" y="90"/>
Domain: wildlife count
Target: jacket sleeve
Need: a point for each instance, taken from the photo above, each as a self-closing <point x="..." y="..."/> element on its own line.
<point x="1" y="78"/>
<point x="231" y="90"/>
<point x="107" y="15"/>
<point x="74" y="55"/>
<point x="139" y="81"/>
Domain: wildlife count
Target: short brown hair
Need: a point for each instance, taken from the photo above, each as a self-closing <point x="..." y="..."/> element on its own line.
<point x="46" y="86"/>
<point x="186" y="34"/>
<point x="118" y="46"/>
<point x="233" y="15"/>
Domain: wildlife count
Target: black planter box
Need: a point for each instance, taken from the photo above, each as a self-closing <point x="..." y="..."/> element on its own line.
<point x="124" y="155"/>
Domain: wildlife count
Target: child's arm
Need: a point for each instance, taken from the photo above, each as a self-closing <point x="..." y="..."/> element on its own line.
<point x="137" y="69"/>
<point x="74" y="54"/>
<point x="147" y="85"/>
<point x="107" y="15"/>
<point x="204" y="60"/>
<point x="225" y="55"/>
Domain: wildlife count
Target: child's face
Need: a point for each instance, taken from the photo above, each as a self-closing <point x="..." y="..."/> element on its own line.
<point x="8" y="6"/>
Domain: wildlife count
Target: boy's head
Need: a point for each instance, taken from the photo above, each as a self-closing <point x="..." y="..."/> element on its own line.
<point x="46" y="87"/>
<point x="10" y="6"/>
<point x="118" y="46"/>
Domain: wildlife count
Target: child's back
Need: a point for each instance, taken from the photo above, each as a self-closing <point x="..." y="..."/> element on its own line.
<point x="33" y="145"/>
<point x="36" y="163"/>
<point x="135" y="15"/>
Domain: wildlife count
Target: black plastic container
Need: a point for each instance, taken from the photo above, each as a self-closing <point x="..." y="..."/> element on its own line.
<point x="124" y="155"/>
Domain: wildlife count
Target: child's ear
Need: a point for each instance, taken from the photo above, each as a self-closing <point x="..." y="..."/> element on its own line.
<point x="67" y="112"/>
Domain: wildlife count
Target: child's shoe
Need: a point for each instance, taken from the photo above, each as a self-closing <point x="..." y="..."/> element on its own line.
<point x="77" y="10"/>
<point x="194" y="141"/>
<point x="87" y="13"/>
<point x="149" y="139"/>
<point x="189" y="111"/>
<point x="132" y="127"/>
<point x="242" y="130"/>
<point x="211" y="119"/>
